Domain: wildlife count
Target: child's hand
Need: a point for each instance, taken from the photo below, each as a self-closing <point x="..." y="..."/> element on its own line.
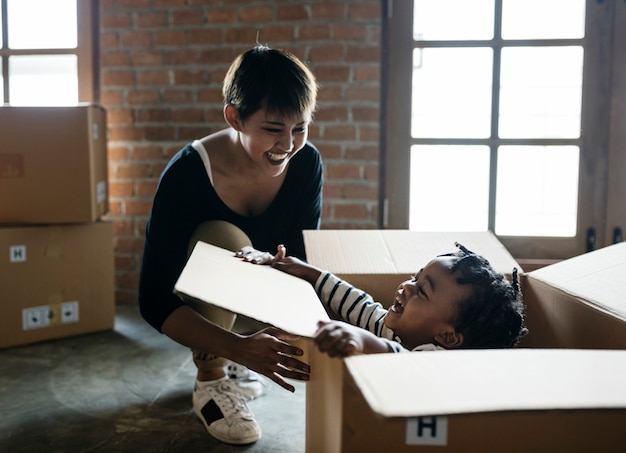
<point x="339" y="339"/>
<point x="252" y="255"/>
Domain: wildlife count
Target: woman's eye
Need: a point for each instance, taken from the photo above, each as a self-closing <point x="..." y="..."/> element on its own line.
<point x="299" y="130"/>
<point x="273" y="131"/>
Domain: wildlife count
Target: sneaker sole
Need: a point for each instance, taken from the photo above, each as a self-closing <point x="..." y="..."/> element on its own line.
<point x="222" y="438"/>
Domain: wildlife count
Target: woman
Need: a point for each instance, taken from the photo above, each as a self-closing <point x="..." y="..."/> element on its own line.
<point x="256" y="183"/>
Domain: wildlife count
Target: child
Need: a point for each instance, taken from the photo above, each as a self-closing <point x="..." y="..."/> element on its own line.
<point x="256" y="182"/>
<point x="456" y="301"/>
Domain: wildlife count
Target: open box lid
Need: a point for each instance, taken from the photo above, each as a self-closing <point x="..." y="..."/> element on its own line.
<point x="397" y="251"/>
<point x="213" y="275"/>
<point x="598" y="278"/>
<point x="471" y="381"/>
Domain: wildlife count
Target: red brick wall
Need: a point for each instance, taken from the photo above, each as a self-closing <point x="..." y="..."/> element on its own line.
<point x="162" y="64"/>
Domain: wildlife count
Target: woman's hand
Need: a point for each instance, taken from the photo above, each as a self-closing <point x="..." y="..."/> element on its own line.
<point x="267" y="352"/>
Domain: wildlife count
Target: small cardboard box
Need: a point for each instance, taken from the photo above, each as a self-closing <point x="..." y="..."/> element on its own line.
<point x="56" y="281"/>
<point x="53" y="164"/>
<point x="485" y="400"/>
<point x="376" y="261"/>
<point x="579" y="302"/>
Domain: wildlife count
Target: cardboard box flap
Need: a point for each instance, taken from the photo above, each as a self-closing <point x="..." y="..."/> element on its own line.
<point x="596" y="277"/>
<point x="213" y="275"/>
<point x="460" y="382"/>
<point x="398" y="251"/>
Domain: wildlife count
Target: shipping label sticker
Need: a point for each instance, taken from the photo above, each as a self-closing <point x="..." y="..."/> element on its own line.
<point x="36" y="317"/>
<point x="427" y="431"/>
<point x="17" y="254"/>
<point x="11" y="166"/>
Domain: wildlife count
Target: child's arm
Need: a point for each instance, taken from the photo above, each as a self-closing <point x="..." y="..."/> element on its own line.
<point x="340" y="339"/>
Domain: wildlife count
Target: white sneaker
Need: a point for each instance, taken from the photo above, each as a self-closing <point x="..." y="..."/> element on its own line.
<point x="224" y="412"/>
<point x="251" y="384"/>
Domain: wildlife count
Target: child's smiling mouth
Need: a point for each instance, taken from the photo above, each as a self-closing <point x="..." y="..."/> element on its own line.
<point x="397" y="307"/>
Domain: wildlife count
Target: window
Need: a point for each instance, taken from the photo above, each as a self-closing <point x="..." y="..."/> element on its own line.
<point x="506" y="125"/>
<point x="47" y="51"/>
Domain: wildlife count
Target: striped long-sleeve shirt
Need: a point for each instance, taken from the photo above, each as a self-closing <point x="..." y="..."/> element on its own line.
<point x="359" y="308"/>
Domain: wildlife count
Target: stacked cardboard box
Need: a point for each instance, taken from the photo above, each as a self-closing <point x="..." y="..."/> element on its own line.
<point x="57" y="265"/>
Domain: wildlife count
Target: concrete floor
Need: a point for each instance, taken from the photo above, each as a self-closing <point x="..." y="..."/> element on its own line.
<point x="126" y="390"/>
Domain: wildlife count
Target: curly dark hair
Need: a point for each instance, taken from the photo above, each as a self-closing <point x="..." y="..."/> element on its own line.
<point x="493" y="315"/>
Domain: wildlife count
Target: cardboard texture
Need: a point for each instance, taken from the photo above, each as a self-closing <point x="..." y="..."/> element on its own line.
<point x="485" y="401"/>
<point x="578" y="303"/>
<point x="376" y="261"/>
<point x="53" y="164"/>
<point x="56" y="281"/>
<point x="213" y="275"/>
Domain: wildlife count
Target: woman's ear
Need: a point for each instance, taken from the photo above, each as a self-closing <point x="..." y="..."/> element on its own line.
<point x="449" y="339"/>
<point x="231" y="115"/>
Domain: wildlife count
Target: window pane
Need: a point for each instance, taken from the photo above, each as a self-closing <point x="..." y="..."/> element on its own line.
<point x="42" y="24"/>
<point x="451" y="93"/>
<point x="43" y="80"/>
<point x="449" y="188"/>
<point x="453" y="19"/>
<point x="543" y="19"/>
<point x="540" y="92"/>
<point x="537" y="190"/>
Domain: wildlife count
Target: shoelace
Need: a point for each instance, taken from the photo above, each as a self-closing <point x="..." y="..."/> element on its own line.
<point x="230" y="402"/>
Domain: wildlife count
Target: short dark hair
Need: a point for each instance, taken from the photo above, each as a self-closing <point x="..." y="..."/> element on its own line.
<point x="493" y="315"/>
<point x="270" y="78"/>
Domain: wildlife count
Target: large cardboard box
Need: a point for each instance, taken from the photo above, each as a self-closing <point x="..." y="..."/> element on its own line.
<point x="56" y="281"/>
<point x="520" y="400"/>
<point x="375" y="261"/>
<point x="53" y="164"/>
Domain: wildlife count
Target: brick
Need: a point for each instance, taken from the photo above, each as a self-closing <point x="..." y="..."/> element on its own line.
<point x="120" y="189"/>
<point x="314" y="31"/>
<point x="118" y="78"/>
<point x="294" y="13"/>
<point x="151" y="19"/>
<point x="340" y="132"/>
<point x="147" y="152"/>
<point x="137" y="207"/>
<point x="142" y="96"/>
<point x="343" y="171"/>
<point x="135" y="39"/>
<point x="256" y="14"/>
<point x="130" y="171"/>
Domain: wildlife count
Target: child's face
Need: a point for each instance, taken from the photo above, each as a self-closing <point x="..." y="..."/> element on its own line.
<point x="425" y="306"/>
<point x="272" y="140"/>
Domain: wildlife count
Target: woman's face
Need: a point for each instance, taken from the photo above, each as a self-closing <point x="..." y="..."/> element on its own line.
<point x="271" y="140"/>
